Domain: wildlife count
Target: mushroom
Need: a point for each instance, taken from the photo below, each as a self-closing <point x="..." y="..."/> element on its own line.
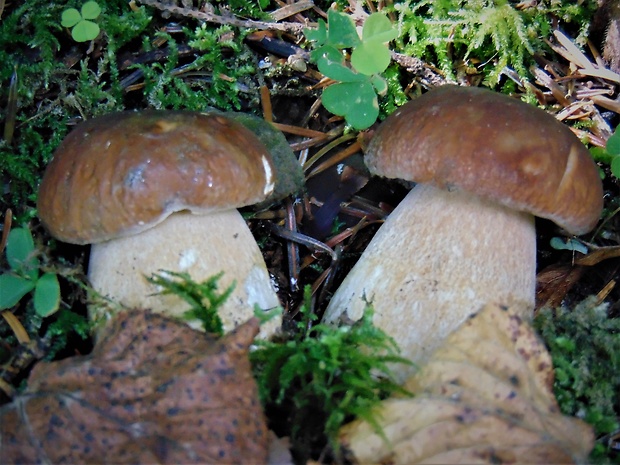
<point x="158" y="190"/>
<point x="464" y="236"/>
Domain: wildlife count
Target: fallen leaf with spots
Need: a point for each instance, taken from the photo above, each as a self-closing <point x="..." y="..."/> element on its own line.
<point x="485" y="396"/>
<point x="152" y="391"/>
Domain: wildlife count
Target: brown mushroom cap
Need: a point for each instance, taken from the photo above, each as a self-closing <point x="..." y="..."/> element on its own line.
<point x="495" y="147"/>
<point x="120" y="174"/>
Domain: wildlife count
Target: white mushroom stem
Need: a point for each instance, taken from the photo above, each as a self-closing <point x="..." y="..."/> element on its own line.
<point x="438" y="258"/>
<point x="201" y="245"/>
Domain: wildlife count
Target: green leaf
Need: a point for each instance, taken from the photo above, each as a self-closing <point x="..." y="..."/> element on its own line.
<point x="327" y="53"/>
<point x="90" y="10"/>
<point x="342" y="32"/>
<point x="380" y="84"/>
<point x="331" y="63"/>
<point x="20" y="253"/>
<point x="47" y="295"/>
<point x="339" y="72"/>
<point x="318" y="35"/>
<point x="370" y="57"/>
<point x="70" y="17"/>
<point x="615" y="166"/>
<point x="85" y="31"/>
<point x="12" y="289"/>
<point x="378" y="27"/>
<point x="613" y="143"/>
<point x="356" y="101"/>
<point x="601" y="154"/>
<point x="570" y="244"/>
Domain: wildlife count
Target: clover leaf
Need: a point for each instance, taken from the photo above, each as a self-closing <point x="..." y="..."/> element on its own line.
<point x="613" y="149"/>
<point x="568" y="244"/>
<point x="318" y="35"/>
<point x="370" y="57"/>
<point x="613" y="143"/>
<point x="83" y="29"/>
<point x="13" y="288"/>
<point x="330" y="62"/>
<point x="47" y="295"/>
<point x="379" y="28"/>
<point x="20" y="253"/>
<point x="342" y="32"/>
<point x="24" y="276"/>
<point x="354" y="96"/>
<point x="356" y="101"/>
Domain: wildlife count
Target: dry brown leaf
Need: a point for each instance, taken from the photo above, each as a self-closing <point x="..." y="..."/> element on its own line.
<point x="485" y="396"/>
<point x="554" y="282"/>
<point x="152" y="391"/>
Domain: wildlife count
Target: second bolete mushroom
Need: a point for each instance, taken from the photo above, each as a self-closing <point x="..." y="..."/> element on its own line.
<point x="160" y="190"/>
<point x="464" y="236"/>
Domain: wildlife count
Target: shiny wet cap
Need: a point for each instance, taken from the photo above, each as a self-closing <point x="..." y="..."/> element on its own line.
<point x="123" y="173"/>
<point x="495" y="147"/>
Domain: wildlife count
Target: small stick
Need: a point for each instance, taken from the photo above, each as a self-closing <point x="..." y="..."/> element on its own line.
<point x="300" y="238"/>
<point x="294" y="28"/>
<point x="8" y="220"/>
<point x="292" y="249"/>
<point x="265" y="100"/>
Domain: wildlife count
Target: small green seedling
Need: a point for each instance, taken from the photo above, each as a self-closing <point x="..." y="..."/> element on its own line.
<point x="354" y="96"/>
<point x="83" y="29"/>
<point x="24" y="276"/>
<point x="569" y="244"/>
<point x="610" y="154"/>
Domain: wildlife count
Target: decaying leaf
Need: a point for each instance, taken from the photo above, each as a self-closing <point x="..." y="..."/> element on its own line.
<point x="485" y="396"/>
<point x="554" y="282"/>
<point x="152" y="391"/>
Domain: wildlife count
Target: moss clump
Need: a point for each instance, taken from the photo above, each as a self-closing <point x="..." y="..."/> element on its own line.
<point x="323" y="376"/>
<point x="585" y="346"/>
<point x="131" y="64"/>
<point x="204" y="298"/>
<point x="52" y="88"/>
<point x="486" y="34"/>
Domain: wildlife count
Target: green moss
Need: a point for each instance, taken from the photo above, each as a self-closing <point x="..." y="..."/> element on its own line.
<point x="229" y="63"/>
<point x="395" y="96"/>
<point x="493" y="32"/>
<point x="585" y="345"/>
<point x="64" y="326"/>
<point x="60" y="82"/>
<point x="245" y="8"/>
<point x="326" y="375"/>
<point x="204" y="298"/>
<point x="49" y="93"/>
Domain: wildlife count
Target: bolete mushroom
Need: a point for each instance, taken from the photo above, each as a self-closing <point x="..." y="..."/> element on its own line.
<point x="485" y="164"/>
<point x="159" y="190"/>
